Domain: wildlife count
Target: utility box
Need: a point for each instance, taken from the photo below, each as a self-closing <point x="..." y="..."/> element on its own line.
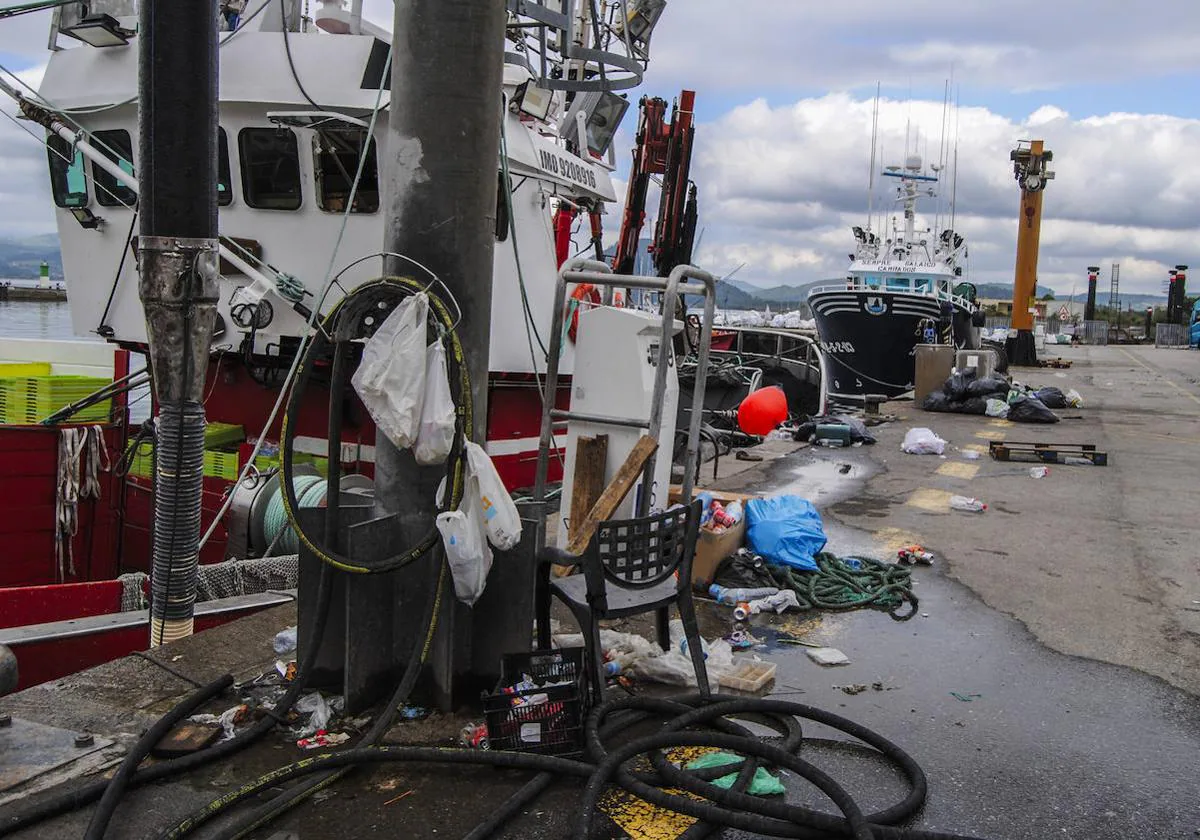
<point x="934" y="364"/>
<point x="616" y="359"/>
<point x="984" y="362"/>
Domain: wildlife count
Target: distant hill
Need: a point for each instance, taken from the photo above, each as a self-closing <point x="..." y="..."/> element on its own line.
<point x="22" y="258"/>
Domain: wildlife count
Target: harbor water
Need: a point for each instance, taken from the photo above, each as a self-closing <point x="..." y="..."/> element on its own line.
<point x="52" y="320"/>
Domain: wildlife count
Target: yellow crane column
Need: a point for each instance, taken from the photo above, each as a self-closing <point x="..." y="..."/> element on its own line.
<point x="1030" y="160"/>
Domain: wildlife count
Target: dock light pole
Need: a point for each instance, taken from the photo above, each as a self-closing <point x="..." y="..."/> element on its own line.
<point x="1180" y="295"/>
<point x="1030" y="161"/>
<point x="177" y="267"/>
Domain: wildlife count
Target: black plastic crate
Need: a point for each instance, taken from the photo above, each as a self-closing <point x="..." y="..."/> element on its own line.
<point x="546" y="719"/>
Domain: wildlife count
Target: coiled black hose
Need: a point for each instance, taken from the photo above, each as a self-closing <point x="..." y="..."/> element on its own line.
<point x="718" y="807"/>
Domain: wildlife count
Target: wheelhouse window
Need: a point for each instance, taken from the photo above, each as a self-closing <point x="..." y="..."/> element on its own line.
<point x="67" y="180"/>
<point x="337" y="152"/>
<point x="270" y="168"/>
<point x="224" y="181"/>
<point x="117" y="147"/>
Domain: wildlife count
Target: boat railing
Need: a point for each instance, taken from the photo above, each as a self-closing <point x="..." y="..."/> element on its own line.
<point x="957" y="300"/>
<point x="805" y="349"/>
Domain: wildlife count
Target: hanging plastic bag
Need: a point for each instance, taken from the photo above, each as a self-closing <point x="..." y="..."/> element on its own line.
<point x="435" y="437"/>
<point x="499" y="510"/>
<point x="464" y="535"/>
<point x="390" y="380"/>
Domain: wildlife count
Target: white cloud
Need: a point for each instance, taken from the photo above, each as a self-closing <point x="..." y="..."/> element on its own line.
<point x="780" y="185"/>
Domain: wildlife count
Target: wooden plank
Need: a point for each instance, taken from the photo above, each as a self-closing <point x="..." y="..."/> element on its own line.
<point x="613" y="494"/>
<point x="591" y="458"/>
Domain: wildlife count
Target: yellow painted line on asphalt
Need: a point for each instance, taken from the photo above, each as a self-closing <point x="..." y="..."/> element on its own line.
<point x="1001" y="422"/>
<point x="892" y="540"/>
<point x="989" y="435"/>
<point x="937" y="501"/>
<point x="1177" y="387"/>
<point x="641" y="820"/>
<point x="958" y="469"/>
<point x="976" y="447"/>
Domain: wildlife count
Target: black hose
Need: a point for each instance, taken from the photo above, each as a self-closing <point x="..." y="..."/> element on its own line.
<point x="59" y="803"/>
<point x="116" y="787"/>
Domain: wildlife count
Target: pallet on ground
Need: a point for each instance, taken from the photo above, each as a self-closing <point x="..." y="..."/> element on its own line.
<point x="1051" y="453"/>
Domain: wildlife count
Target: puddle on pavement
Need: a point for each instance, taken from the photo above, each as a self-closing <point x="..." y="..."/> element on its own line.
<point x="824" y="480"/>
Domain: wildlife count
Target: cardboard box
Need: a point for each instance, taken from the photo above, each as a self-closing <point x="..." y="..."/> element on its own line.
<point x="712" y="548"/>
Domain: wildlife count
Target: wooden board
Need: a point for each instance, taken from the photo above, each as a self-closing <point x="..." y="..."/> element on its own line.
<point x="591" y="458"/>
<point x="613" y="494"/>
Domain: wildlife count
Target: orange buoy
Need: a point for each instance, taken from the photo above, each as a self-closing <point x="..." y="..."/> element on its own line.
<point x="761" y="412"/>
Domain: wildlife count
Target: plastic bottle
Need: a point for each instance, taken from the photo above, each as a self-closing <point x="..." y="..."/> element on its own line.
<point x="706" y="501"/>
<point x="734" y="511"/>
<point x="732" y="597"/>
<point x="967" y="504"/>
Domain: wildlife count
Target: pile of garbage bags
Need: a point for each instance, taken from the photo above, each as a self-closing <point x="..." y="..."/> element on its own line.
<point x="965" y="393"/>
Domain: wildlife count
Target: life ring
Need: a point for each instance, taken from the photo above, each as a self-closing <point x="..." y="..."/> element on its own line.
<point x="582" y="292"/>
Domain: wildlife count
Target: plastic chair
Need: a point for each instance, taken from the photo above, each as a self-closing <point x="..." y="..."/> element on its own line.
<point x="630" y="567"/>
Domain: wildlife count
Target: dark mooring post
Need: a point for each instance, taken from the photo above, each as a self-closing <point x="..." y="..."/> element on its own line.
<point x="443" y="152"/>
<point x="177" y="263"/>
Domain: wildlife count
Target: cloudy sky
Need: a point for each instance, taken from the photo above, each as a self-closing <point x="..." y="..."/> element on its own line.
<point x="784" y="99"/>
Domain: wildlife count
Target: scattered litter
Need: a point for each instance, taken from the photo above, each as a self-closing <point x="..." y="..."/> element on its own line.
<point x="743" y="455"/>
<point x="1074" y="399"/>
<point x="1038" y="472"/>
<point x="319" y="710"/>
<point x="914" y="554"/>
<point x="997" y="408"/>
<point x="852" y="689"/>
<point x="922" y="441"/>
<point x="762" y="784"/>
<point x="827" y="656"/>
<point x="924" y="615"/>
<point x="843" y="468"/>
<point x="971" y="455"/>
<point x="733" y="597"/>
<point x="778" y="602"/>
<point x="228" y="720"/>
<point x="285" y="640"/>
<point x="966" y="698"/>
<point x="474" y="736"/>
<point x="407" y="712"/>
<point x="787" y="640"/>
<point x="750" y="677"/>
<point x="398" y="798"/>
<point x="1076" y="461"/>
<point x="321" y="738"/>
<point x="967" y="504"/>
<point x="741" y="639"/>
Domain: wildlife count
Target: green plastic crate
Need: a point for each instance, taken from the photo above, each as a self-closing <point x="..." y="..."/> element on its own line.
<point x="30" y="399"/>
<point x="221" y="435"/>
<point x="216" y="464"/>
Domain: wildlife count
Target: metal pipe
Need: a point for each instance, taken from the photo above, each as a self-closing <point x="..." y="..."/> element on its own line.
<point x="632" y="422"/>
<point x="177" y="264"/>
<point x="691" y="466"/>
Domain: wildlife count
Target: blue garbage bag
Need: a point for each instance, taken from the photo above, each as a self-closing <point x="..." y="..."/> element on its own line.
<point x="786" y="530"/>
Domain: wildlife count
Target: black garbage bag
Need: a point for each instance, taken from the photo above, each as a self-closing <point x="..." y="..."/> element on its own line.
<point x="804" y="432"/>
<point x="1030" y="410"/>
<point x="956" y="386"/>
<point x="744" y="569"/>
<point x="1051" y="397"/>
<point x="939" y="401"/>
<point x="974" y="405"/>
<point x="987" y="387"/>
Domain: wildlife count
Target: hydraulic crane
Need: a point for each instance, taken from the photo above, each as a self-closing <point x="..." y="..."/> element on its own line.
<point x="1030" y="160"/>
<point x="663" y="148"/>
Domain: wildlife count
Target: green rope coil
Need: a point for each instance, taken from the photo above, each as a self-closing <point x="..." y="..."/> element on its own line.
<point x="310" y="491"/>
<point x="850" y="583"/>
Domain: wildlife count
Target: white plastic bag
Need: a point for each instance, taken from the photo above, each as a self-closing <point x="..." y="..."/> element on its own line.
<point x="464" y="536"/>
<point x="390" y="380"/>
<point x="922" y="441"/>
<point x="997" y="408"/>
<point x="1074" y="399"/>
<point x="499" y="511"/>
<point x="435" y="437"/>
